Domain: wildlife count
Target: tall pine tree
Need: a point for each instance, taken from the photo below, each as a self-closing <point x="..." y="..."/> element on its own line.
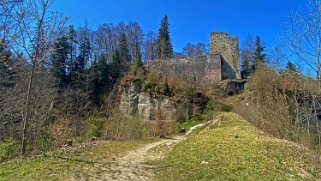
<point x="84" y="54"/>
<point x="59" y="60"/>
<point x="259" y="56"/>
<point x="123" y="49"/>
<point x="164" y="44"/>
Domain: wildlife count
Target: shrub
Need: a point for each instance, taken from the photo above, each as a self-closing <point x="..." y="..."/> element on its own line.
<point x="150" y="84"/>
<point x="182" y="113"/>
<point x="120" y="127"/>
<point x="227" y="108"/>
<point x="8" y="149"/>
<point x="95" y="127"/>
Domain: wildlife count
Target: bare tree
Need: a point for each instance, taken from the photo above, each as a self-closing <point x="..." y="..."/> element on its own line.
<point x="36" y="28"/>
<point x="200" y="49"/>
<point x="197" y="49"/>
<point x="150" y="46"/>
<point x="189" y="50"/>
<point x="303" y="36"/>
<point x="105" y="41"/>
<point x="247" y="52"/>
<point x="134" y="34"/>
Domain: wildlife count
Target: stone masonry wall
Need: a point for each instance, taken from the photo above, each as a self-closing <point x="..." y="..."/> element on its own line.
<point x="213" y="69"/>
<point x="228" y="47"/>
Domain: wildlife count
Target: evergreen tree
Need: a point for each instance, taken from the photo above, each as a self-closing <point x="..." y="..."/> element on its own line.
<point x="116" y="65"/>
<point x="116" y="59"/>
<point x="84" y="54"/>
<point x="59" y="59"/>
<point x="137" y="63"/>
<point x="72" y="62"/>
<point x="164" y="44"/>
<point x="138" y="56"/>
<point x="290" y="68"/>
<point x="99" y="77"/>
<point x="138" y="60"/>
<point x="259" y="56"/>
<point x="123" y="49"/>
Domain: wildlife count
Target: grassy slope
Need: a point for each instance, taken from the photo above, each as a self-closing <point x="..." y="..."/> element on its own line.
<point x="238" y="151"/>
<point x="77" y="164"/>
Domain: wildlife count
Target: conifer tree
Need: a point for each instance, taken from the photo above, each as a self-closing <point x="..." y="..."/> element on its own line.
<point x="123" y="49"/>
<point x="291" y="68"/>
<point x="259" y="56"/>
<point x="138" y="56"/>
<point x="164" y="44"/>
<point x="84" y="54"/>
<point x="59" y="59"/>
<point x="72" y="49"/>
<point x="116" y="57"/>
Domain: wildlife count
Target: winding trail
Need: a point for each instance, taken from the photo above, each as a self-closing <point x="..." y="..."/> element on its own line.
<point x="136" y="164"/>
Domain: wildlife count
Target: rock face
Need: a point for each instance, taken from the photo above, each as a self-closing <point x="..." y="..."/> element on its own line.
<point x="134" y="101"/>
<point x="130" y="98"/>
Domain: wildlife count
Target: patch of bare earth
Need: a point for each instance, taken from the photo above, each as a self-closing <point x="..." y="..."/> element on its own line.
<point x="136" y="164"/>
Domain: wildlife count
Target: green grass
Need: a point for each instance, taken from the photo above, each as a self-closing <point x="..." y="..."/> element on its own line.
<point x="61" y="165"/>
<point x="191" y="122"/>
<point x="236" y="150"/>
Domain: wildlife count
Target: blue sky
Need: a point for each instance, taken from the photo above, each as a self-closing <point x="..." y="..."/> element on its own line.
<point x="190" y="21"/>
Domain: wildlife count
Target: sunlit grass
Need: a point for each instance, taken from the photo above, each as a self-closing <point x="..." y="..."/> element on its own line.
<point x="236" y="150"/>
<point x="60" y="165"/>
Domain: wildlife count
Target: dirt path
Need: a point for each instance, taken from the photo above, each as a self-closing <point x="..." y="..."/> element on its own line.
<point x="134" y="166"/>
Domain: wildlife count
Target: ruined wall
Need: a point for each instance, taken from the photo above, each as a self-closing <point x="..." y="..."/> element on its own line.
<point x="222" y="63"/>
<point x="206" y="70"/>
<point x="213" y="69"/>
<point x="228" y="47"/>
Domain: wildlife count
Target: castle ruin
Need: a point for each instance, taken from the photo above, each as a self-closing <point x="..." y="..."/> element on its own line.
<point x="221" y="64"/>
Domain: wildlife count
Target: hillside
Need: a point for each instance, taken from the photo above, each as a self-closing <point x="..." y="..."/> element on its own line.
<point x="232" y="149"/>
<point x="228" y="149"/>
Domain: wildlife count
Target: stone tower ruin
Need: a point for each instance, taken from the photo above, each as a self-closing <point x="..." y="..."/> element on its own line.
<point x="221" y="44"/>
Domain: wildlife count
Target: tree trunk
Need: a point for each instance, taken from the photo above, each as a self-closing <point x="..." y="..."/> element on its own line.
<point x="26" y="117"/>
<point x="30" y="83"/>
<point x="316" y="120"/>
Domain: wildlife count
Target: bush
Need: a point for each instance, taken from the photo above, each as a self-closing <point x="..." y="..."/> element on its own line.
<point x="182" y="113"/>
<point x="95" y="128"/>
<point x="150" y="84"/>
<point x="8" y="149"/>
<point x="227" y="108"/>
<point x="120" y="127"/>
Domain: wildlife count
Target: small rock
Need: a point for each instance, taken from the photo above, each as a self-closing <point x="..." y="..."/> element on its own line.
<point x="182" y="130"/>
<point x="162" y="136"/>
<point x="92" y="139"/>
<point x="204" y="163"/>
<point x="68" y="143"/>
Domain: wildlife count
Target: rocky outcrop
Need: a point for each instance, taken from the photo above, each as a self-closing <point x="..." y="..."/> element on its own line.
<point x="133" y="101"/>
<point x="145" y="107"/>
<point x="130" y="98"/>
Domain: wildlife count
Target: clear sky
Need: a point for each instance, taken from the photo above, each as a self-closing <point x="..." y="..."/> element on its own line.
<point x="190" y="20"/>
